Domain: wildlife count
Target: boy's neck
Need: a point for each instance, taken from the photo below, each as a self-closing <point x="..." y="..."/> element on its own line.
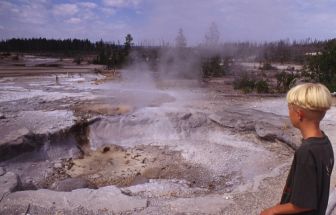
<point x="310" y="130"/>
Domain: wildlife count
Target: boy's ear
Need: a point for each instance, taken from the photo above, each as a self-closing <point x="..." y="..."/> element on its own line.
<point x="301" y="114"/>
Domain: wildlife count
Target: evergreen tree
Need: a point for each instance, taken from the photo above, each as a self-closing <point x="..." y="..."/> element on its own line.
<point x="322" y="66"/>
<point x="212" y="36"/>
<point x="181" y="41"/>
<point x="128" y="41"/>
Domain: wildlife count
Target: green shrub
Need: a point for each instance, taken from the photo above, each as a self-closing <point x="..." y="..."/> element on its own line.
<point x="322" y="67"/>
<point x="262" y="86"/>
<point x="213" y="67"/>
<point x="267" y="66"/>
<point x="285" y="81"/>
<point x="248" y="84"/>
<point x="15" y="57"/>
<point x="244" y="83"/>
<point x="331" y="85"/>
<point x="78" y="60"/>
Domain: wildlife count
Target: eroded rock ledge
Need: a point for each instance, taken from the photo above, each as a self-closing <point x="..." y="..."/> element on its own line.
<point x="267" y="126"/>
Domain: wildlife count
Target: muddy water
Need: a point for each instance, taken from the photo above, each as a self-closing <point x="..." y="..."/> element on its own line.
<point x="113" y="165"/>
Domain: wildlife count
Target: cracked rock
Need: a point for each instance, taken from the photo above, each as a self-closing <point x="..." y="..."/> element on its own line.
<point x="70" y="184"/>
<point x="9" y="182"/>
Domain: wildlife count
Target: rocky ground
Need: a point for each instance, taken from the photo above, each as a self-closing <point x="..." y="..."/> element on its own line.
<point x="83" y="143"/>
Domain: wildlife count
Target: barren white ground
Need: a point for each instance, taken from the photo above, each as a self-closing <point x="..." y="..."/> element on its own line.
<point x="235" y="171"/>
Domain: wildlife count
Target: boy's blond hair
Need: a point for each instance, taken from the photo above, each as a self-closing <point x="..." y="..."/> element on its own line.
<point x="310" y="96"/>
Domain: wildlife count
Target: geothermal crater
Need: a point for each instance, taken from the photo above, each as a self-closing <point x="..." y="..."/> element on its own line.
<point x="86" y="145"/>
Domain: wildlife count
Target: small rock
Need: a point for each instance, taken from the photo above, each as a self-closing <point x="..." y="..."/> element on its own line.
<point x="186" y="116"/>
<point x="95" y="176"/>
<point x="2" y="171"/>
<point x="58" y="165"/>
<point x="29" y="180"/>
<point x="227" y="197"/>
<point x="135" y="156"/>
<point x="266" y="131"/>
<point x="106" y="149"/>
<point x="2" y="116"/>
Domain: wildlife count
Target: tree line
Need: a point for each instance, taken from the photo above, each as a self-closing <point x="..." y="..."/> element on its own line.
<point x="110" y="54"/>
<point x="214" y="58"/>
<point x="279" y="51"/>
<point x="47" y="45"/>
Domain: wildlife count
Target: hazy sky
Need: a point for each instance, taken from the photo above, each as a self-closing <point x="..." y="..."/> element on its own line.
<point x="157" y="20"/>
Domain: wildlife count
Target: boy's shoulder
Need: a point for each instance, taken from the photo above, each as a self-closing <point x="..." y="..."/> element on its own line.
<point x="312" y="148"/>
<point x="313" y="142"/>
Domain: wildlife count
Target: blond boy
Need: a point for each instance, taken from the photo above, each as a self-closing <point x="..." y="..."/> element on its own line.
<point x="307" y="187"/>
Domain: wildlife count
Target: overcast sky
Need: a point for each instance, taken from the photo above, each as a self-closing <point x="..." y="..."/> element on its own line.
<point x="157" y="20"/>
